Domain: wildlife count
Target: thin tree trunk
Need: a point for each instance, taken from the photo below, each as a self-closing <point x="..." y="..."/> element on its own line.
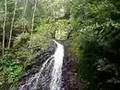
<point x="33" y="19"/>
<point x="4" y="24"/>
<point x="24" y="24"/>
<point x="33" y="16"/>
<point x="12" y="24"/>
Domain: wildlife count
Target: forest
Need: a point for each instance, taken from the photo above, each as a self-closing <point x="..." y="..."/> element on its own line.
<point x="89" y="30"/>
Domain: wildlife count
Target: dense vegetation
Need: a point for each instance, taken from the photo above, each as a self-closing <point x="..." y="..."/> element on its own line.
<point x="92" y="26"/>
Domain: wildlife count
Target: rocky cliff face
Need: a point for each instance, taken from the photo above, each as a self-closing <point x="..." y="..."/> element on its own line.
<point x="70" y="81"/>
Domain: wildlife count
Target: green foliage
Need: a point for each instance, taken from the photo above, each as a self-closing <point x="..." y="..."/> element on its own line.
<point x="21" y="40"/>
<point x="11" y="70"/>
<point x="96" y="43"/>
<point x="99" y="56"/>
<point x="26" y="43"/>
<point x="93" y="26"/>
<point x="48" y="30"/>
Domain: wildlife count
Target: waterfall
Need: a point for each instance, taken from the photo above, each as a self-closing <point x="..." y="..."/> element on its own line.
<point x="52" y="68"/>
<point x="57" y="68"/>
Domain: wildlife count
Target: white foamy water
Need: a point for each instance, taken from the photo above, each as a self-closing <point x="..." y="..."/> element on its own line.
<point x="33" y="81"/>
<point x="57" y="68"/>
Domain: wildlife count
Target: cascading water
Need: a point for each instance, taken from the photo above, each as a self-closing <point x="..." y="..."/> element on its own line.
<point x="52" y="68"/>
<point x="57" y="68"/>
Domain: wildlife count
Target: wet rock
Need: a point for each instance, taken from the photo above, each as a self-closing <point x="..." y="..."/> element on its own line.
<point x="34" y="68"/>
<point x="69" y="75"/>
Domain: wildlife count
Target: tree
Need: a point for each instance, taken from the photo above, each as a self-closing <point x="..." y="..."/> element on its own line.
<point x="97" y="42"/>
<point x="5" y="15"/>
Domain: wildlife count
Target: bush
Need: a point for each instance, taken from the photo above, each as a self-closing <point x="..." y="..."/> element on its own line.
<point x="99" y="56"/>
<point x="10" y="71"/>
